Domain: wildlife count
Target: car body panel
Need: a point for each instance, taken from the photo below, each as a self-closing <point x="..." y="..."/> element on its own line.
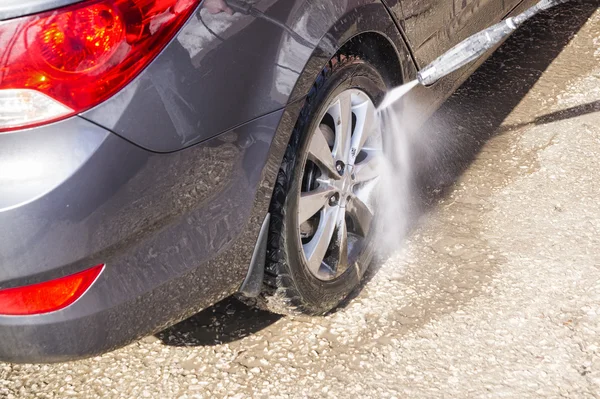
<point x="221" y="70"/>
<point x="433" y="27"/>
<point x="34" y="161"/>
<point x="208" y="188"/>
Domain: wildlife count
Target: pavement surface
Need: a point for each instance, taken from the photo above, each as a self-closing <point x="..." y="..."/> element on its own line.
<point x="494" y="293"/>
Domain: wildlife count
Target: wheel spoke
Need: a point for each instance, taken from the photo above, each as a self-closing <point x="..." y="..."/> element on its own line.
<point x="320" y="153"/>
<point x="342" y="242"/>
<point x="362" y="215"/>
<point x="365" y="127"/>
<point x="316" y="248"/>
<point x="312" y="202"/>
<point x="369" y="168"/>
<point x="343" y="127"/>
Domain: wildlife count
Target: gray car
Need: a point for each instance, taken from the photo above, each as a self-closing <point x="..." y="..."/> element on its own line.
<point x="157" y="156"/>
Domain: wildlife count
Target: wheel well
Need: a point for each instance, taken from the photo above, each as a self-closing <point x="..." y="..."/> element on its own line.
<point x="377" y="49"/>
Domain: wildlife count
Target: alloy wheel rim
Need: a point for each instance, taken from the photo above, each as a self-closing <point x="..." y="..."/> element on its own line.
<point x="338" y="191"/>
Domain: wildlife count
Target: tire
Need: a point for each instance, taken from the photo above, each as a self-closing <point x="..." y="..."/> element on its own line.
<point x="290" y="287"/>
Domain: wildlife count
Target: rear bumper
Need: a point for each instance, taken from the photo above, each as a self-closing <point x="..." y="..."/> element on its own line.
<point x="176" y="231"/>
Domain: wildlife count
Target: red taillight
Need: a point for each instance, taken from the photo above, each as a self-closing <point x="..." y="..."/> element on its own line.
<point x="47" y="296"/>
<point x="95" y="32"/>
<point x="62" y="62"/>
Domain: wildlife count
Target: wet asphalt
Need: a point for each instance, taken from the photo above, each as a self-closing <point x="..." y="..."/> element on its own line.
<point x="494" y="293"/>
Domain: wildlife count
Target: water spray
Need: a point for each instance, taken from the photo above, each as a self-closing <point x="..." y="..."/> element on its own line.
<point x="406" y="147"/>
<point x="468" y="51"/>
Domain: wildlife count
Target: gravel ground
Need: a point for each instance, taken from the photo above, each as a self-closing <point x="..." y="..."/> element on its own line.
<point x="495" y="293"/>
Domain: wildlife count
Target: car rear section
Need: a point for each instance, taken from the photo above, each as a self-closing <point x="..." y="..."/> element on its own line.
<point x="139" y="146"/>
<point x="164" y="226"/>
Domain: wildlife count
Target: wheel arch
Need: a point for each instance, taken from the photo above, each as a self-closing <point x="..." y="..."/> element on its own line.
<point x="366" y="30"/>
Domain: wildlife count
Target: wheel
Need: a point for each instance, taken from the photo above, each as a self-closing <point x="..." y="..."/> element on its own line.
<point x="325" y="199"/>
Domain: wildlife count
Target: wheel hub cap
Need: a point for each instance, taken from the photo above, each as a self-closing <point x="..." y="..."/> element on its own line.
<point x="344" y="187"/>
